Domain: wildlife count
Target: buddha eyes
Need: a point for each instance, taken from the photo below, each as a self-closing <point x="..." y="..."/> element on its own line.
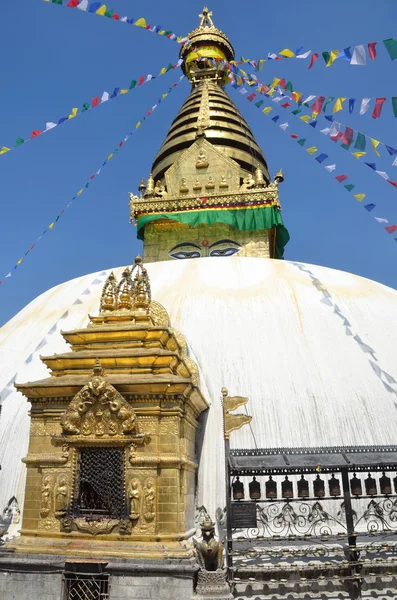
<point x="185" y="254"/>
<point x="224" y="251"/>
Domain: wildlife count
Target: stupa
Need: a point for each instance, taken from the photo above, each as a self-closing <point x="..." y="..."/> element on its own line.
<point x="112" y="424"/>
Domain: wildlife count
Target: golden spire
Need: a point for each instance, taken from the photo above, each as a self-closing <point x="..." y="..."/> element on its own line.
<point x="206" y="20"/>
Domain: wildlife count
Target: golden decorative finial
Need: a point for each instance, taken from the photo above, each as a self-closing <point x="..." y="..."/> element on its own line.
<point x="259" y="179"/>
<point x="97" y="368"/>
<point x="279" y="177"/>
<point x="109" y="294"/>
<point x="142" y="186"/>
<point x="149" y="186"/>
<point x="206" y="20"/>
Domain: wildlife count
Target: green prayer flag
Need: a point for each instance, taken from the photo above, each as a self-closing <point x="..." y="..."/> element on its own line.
<point x="306" y="104"/>
<point x="289" y="87"/>
<point x="259" y="104"/>
<point x="86" y="185"/>
<point x="326" y="56"/>
<point x="57" y="1"/>
<point x="391" y="47"/>
<point x="57" y="219"/>
<point x="296" y="111"/>
<point x="394" y="104"/>
<point x="115" y="150"/>
<point x="328" y="100"/>
<point x="302" y="142"/>
<point x="360" y="142"/>
<point x="86" y="106"/>
<point x="167" y="32"/>
<point x="132" y="84"/>
<point x="109" y="13"/>
<point x="19" y="141"/>
<point x="169" y="68"/>
<point x="349" y="187"/>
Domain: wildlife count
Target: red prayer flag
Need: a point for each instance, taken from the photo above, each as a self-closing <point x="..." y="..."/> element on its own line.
<point x="341" y="178"/>
<point x="285" y="105"/>
<point x="92" y="177"/>
<point x="294" y="136"/>
<point x="148" y="26"/>
<point x="372" y="50"/>
<point x="251" y="97"/>
<point x="141" y="80"/>
<point x="95" y="101"/>
<point x="378" y="107"/>
<point x="347" y="136"/>
<point x="282" y="83"/>
<point x="35" y="133"/>
<point x="318" y="104"/>
<point x="73" y="3"/>
<point x="120" y="144"/>
<point x="313" y="59"/>
<point x="391" y="228"/>
<point x="116" y="16"/>
<point x="392" y="183"/>
<point x="336" y="137"/>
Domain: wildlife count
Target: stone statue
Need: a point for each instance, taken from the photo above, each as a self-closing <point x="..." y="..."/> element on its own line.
<point x="150" y="500"/>
<point x="134" y="495"/>
<point x="248" y="183"/>
<point x="183" y="187"/>
<point x="202" y="161"/>
<point x="46" y="496"/>
<point x="159" y="189"/>
<point x="209" y="551"/>
<point x="61" y="495"/>
<point x="210" y="183"/>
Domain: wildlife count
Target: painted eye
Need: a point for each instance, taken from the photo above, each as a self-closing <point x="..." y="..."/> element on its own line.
<point x="185" y="254"/>
<point x="224" y="251"/>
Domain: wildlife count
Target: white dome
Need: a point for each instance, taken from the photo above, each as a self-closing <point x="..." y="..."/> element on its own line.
<point x="313" y="349"/>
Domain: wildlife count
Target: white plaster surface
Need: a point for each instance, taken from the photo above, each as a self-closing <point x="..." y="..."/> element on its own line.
<point x="314" y="350"/>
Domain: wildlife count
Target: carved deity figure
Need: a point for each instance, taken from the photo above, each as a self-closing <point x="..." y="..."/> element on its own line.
<point x="150" y="500"/>
<point x="159" y="189"/>
<point x="248" y="183"/>
<point x="202" y="161"/>
<point x="61" y="494"/>
<point x="210" y="183"/>
<point x="209" y="552"/>
<point x="197" y="185"/>
<point x="46" y="496"/>
<point x="134" y="495"/>
<point x="183" y="187"/>
<point x="223" y="183"/>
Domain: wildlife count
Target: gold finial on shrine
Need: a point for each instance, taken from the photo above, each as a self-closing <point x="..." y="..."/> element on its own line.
<point x="149" y="187"/>
<point x="259" y="179"/>
<point x="142" y="186"/>
<point x="279" y="177"/>
<point x="205" y="16"/>
<point x="109" y="294"/>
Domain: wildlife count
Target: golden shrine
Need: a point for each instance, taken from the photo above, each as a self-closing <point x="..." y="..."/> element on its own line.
<point x="112" y="439"/>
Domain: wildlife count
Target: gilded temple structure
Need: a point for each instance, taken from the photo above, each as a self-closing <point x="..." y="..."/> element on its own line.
<point x="212" y="420"/>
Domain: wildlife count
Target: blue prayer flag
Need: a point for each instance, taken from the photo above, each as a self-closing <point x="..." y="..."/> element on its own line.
<point x="391" y="150"/>
<point x="276" y="118"/>
<point x="94" y="6"/>
<point x="115" y="92"/>
<point x="313" y="124"/>
<point x="351" y="104"/>
<point x="347" y="53"/>
<point x="329" y="117"/>
<point x="62" y="120"/>
<point x="369" y="207"/>
<point x="371" y="165"/>
<point x="321" y="158"/>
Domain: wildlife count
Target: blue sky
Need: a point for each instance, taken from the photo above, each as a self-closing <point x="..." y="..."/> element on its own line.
<point x="54" y="58"/>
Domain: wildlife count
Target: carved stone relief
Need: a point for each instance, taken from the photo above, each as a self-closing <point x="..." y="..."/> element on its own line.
<point x="46" y="496"/>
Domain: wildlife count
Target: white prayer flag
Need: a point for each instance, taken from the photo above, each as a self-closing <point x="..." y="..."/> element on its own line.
<point x="308" y="99"/>
<point x="83" y="5"/>
<point x="364" y="105"/>
<point x="334" y="128"/>
<point x="272" y="56"/>
<point x="305" y="55"/>
<point x="359" y="56"/>
<point x="284" y="126"/>
<point x="277" y="99"/>
<point x="243" y="91"/>
<point x="383" y="174"/>
<point x="325" y="131"/>
<point x="381" y="220"/>
<point x="105" y="97"/>
<point x="330" y="168"/>
<point x="8" y="275"/>
<point x="124" y="19"/>
<point x="394" y="164"/>
<point x="50" y="125"/>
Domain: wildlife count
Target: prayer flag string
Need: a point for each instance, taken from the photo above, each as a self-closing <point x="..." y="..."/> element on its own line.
<point x="91" y="178"/>
<point x="96" y="101"/>
<point x="101" y="10"/>
<point x="321" y="157"/>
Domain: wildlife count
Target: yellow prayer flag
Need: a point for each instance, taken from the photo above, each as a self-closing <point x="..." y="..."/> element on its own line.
<point x="287" y="53"/>
<point x="123" y="91"/>
<point x="110" y="156"/>
<point x="80" y="192"/>
<point x="73" y="113"/>
<point x="164" y="96"/>
<point x="332" y="56"/>
<point x="251" y="83"/>
<point x="359" y="154"/>
<point x="101" y="10"/>
<point x="359" y="197"/>
<point x="375" y="144"/>
<point x="178" y="39"/>
<point x="314" y="116"/>
<point x="140" y="22"/>
<point x="312" y="150"/>
<point x="305" y="118"/>
<point x="338" y="104"/>
<point x="163" y="70"/>
<point x="296" y="96"/>
<point x="20" y="260"/>
<point x="51" y="226"/>
<point x="270" y="92"/>
<point x="267" y="110"/>
<point x="262" y="60"/>
<point x="245" y="59"/>
<point x="4" y="150"/>
<point x="275" y="82"/>
<point x="162" y="32"/>
<point x="137" y="125"/>
<point x="243" y="72"/>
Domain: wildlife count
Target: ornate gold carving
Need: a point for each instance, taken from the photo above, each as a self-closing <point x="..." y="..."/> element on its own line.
<point x="61" y="495"/>
<point x="210" y="185"/>
<point x="202" y="161"/>
<point x="134" y="495"/>
<point x="158" y="314"/>
<point x="197" y="186"/>
<point x="230" y="421"/>
<point x="98" y="409"/>
<point x="108" y="300"/>
<point x="183" y="187"/>
<point x="160" y="190"/>
<point x="209" y="552"/>
<point x="94" y="527"/>
<point x="223" y="184"/>
<point x="46" y="496"/>
<point x="149" y="187"/>
<point x="149" y="500"/>
<point x="248" y="183"/>
<point x="48" y="459"/>
<point x="203" y="117"/>
<point x="41" y="428"/>
<point x="169" y="425"/>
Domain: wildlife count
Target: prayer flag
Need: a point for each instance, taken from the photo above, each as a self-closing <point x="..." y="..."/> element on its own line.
<point x="86" y="106"/>
<point x="318" y="104"/>
<point x="284" y="126"/>
<point x="305" y="55"/>
<point x="313" y="124"/>
<point x="287" y="53"/>
<point x="360" y="141"/>
<point x="289" y="87"/>
<point x="140" y="23"/>
<point x="394" y="163"/>
<point x="141" y="80"/>
<point x="294" y="136"/>
<point x="333" y="55"/>
<point x="105" y="97"/>
<point x="305" y="118"/>
<point x="124" y="91"/>
<point x="95" y="101"/>
<point x="375" y="144"/>
<point x="62" y="120"/>
<point x="325" y="131"/>
<point x="358" y="154"/>
<point x="341" y="178"/>
<point x="328" y="100"/>
<point x="338" y="105"/>
<point x="4" y="149"/>
<point x="259" y="103"/>
<point x="347" y="136"/>
<point x="267" y="110"/>
<point x="313" y="59"/>
<point x="115" y="92"/>
<point x="311" y="150"/>
<point x="391" y="150"/>
<point x="133" y="84"/>
<point x="35" y="133"/>
<point x="330" y="168"/>
<point x="83" y="5"/>
<point x="73" y="3"/>
<point x="349" y="187"/>
<point x="364" y="105"/>
<point x="94" y="7"/>
<point x="302" y="141"/>
<point x="371" y="166"/>
<point x="393" y="183"/>
<point x="351" y="104"/>
<point x="394" y="105"/>
<point x="326" y="56"/>
<point x="372" y="50"/>
<point x="321" y="158"/>
<point x="391" y="228"/>
<point x="20" y="141"/>
<point x="381" y="220"/>
<point x="359" y="57"/>
<point x="369" y="207"/>
<point x="50" y="125"/>
<point x="285" y="105"/>
<point x="308" y="99"/>
<point x="101" y="11"/>
<point x="383" y="174"/>
<point x="276" y="118"/>
<point x="296" y="111"/>
<point x="73" y="113"/>
<point x="50" y="227"/>
<point x="391" y="47"/>
<point x="378" y="107"/>
<point x="251" y="97"/>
